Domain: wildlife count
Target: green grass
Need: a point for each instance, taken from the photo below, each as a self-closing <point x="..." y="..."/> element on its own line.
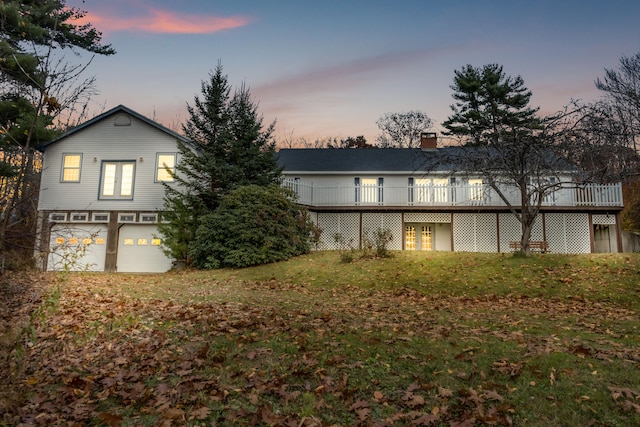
<point x="429" y="338"/>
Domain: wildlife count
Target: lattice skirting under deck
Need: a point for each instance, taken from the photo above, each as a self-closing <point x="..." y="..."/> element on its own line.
<point x="472" y="232"/>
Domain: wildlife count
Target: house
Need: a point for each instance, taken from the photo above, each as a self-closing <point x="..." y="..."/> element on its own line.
<point x="413" y="193"/>
<point x="102" y="188"/>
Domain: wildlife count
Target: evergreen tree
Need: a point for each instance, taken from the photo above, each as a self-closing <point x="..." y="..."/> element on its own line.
<point x="228" y="148"/>
<point x="253" y="225"/>
<point x="36" y="87"/>
<point x="508" y="146"/>
<point x="489" y="104"/>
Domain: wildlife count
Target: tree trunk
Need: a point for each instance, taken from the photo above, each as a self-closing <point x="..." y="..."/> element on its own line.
<point x="527" y="227"/>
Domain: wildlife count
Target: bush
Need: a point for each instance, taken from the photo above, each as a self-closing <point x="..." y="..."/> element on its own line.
<point x="374" y="244"/>
<point x="377" y="242"/>
<point x="253" y="225"/>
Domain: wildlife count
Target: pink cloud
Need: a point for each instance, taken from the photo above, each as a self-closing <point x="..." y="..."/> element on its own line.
<point x="345" y="76"/>
<point x="164" y="21"/>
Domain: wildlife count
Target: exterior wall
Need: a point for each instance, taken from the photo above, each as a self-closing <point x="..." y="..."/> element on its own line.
<point x="390" y="221"/>
<point x="102" y="141"/>
<point x="631" y="242"/>
<point x="346" y="226"/>
<point x="511" y="230"/>
<point x="472" y="232"/>
<point x="568" y="233"/>
<point x="475" y="232"/>
<point x="116" y="137"/>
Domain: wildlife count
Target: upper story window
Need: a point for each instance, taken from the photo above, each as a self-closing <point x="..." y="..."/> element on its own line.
<point x="117" y="180"/>
<point x="431" y="190"/>
<point x="71" y="164"/>
<point x="369" y="190"/>
<point x="476" y="189"/>
<point x="165" y="167"/>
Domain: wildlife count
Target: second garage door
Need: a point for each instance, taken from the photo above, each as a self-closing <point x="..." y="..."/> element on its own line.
<point x="139" y="250"/>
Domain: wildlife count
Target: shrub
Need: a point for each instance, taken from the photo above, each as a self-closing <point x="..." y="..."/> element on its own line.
<point x="377" y="242"/>
<point x="253" y="225"/>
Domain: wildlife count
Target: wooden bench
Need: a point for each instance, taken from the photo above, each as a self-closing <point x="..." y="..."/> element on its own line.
<point x="534" y="246"/>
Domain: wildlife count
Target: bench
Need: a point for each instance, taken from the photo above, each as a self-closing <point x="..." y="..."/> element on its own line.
<point x="534" y="246"/>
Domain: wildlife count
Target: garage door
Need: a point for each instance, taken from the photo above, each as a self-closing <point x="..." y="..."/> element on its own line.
<point x="77" y="247"/>
<point x="139" y="250"/>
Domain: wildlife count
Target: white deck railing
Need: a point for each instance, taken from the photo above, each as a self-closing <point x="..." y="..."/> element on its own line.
<point x="447" y="195"/>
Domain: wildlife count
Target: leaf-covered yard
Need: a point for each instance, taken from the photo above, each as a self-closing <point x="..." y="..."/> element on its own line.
<point x="438" y="339"/>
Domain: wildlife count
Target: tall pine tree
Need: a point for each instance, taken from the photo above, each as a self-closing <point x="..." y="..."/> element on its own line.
<point x="228" y="149"/>
<point x="489" y="105"/>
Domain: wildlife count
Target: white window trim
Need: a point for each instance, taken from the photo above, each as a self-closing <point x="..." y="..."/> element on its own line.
<point x="84" y="214"/>
<point x="121" y="219"/>
<point x="175" y="161"/>
<point x="95" y="214"/>
<point x="149" y="214"/>
<point x="62" y="169"/>
<point x="53" y="219"/>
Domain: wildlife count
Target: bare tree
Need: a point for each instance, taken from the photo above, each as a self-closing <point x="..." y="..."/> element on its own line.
<point x="621" y="87"/>
<point x="40" y="92"/>
<point x="402" y="130"/>
<point x="525" y="158"/>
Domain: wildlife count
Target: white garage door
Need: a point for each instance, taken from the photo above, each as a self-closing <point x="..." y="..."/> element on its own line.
<point x="139" y="250"/>
<point x="77" y="247"/>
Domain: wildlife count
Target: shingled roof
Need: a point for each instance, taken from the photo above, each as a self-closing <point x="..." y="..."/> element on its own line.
<point x="354" y="160"/>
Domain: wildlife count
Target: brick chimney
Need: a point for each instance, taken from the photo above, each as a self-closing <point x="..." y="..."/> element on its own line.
<point x="428" y="141"/>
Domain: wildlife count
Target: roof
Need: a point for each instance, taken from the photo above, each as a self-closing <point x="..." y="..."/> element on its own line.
<point x="113" y="111"/>
<point x="321" y="160"/>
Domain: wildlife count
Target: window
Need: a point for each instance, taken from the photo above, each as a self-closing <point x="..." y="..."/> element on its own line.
<point x="100" y="217"/>
<point x="369" y="190"/>
<point x="427" y="238"/>
<point x="476" y="190"/>
<point x="126" y="217"/>
<point x="440" y="190"/>
<point x="165" y="167"/>
<point x="422" y="190"/>
<point x="148" y="217"/>
<point x="79" y="217"/>
<point x="117" y="180"/>
<point x="410" y="238"/>
<point x="71" y="167"/>
<point x="55" y="217"/>
<point x="428" y="191"/>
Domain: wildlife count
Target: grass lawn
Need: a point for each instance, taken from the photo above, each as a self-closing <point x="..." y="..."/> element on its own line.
<point x="415" y="339"/>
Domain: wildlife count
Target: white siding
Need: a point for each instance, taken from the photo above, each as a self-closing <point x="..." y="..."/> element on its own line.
<point x="99" y="142"/>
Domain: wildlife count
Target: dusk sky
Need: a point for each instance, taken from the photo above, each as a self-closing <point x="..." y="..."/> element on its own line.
<point x="332" y="68"/>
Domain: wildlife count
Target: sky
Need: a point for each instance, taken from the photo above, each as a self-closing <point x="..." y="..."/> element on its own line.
<point x="332" y="68"/>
